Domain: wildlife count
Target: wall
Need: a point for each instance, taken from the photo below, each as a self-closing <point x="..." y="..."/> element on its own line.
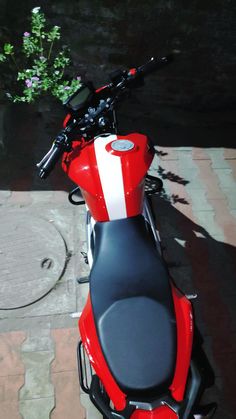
<point x="198" y="89"/>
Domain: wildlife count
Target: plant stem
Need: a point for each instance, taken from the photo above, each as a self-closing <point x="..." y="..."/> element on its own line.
<point x="14" y="61"/>
<point x="41" y="42"/>
<point x="50" y="51"/>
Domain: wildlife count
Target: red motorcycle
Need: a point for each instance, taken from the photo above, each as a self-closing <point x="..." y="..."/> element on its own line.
<point x="137" y="328"/>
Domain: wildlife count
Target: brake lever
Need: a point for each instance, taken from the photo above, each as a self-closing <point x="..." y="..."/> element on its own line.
<point x="62" y="141"/>
<point x="45" y="158"/>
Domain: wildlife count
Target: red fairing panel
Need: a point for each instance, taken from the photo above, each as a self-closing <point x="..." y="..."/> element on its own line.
<point x="91" y="344"/>
<point x="66" y="120"/>
<point x="101" y="88"/>
<point x="184" y="318"/>
<point x="184" y="347"/>
<point x="163" y="412"/>
<point x="112" y="182"/>
<point x="81" y="166"/>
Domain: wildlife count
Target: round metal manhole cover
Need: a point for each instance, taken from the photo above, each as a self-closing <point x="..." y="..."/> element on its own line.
<point x="32" y="259"/>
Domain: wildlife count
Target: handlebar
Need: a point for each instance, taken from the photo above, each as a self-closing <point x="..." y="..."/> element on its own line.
<point x="121" y="81"/>
<point x="60" y="145"/>
<point x="154" y="64"/>
<point x="48" y="166"/>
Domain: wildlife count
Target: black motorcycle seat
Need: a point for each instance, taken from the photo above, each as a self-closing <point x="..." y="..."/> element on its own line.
<point x="132" y="306"/>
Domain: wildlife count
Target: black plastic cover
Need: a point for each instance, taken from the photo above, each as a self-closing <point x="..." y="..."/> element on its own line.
<point x="81" y="97"/>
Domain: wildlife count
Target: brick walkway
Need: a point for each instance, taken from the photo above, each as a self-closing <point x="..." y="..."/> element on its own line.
<point x="198" y="227"/>
<point x="196" y="214"/>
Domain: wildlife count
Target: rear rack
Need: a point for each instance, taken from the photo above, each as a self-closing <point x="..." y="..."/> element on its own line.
<point x="84" y="369"/>
<point x="91" y="384"/>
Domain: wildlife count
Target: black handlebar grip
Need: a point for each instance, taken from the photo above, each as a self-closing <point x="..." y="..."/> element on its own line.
<point x="154" y="64"/>
<point x="49" y="165"/>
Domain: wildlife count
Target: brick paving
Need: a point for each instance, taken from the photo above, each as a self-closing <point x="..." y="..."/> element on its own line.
<point x="65" y="375"/>
<point x="12" y="373"/>
<point x="37" y="353"/>
<point x="196" y="215"/>
<point x="202" y="222"/>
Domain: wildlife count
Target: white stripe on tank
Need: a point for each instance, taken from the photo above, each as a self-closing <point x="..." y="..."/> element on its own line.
<point x="110" y="173"/>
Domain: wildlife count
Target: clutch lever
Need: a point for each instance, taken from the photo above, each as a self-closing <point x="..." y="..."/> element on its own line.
<point x="45" y="158"/>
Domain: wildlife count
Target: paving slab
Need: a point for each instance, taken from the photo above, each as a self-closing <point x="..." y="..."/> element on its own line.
<point x="37" y="408"/>
<point x="37" y="361"/>
<point x="12" y="373"/>
<point x="64" y="375"/>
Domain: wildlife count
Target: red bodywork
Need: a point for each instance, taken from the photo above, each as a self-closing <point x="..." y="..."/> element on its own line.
<point x="81" y="166"/>
<point x="184" y="319"/>
<point x="163" y="412"/>
<point x="92" y="346"/>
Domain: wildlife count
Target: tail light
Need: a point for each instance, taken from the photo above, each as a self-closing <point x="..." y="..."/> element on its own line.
<point x="163" y="412"/>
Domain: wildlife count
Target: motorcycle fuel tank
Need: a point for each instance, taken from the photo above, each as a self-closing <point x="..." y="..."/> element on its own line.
<point x="110" y="170"/>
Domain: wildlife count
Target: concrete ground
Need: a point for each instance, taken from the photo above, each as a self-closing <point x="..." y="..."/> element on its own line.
<point x="196" y="216"/>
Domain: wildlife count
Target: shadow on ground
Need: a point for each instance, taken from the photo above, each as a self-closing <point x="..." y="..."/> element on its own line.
<point x="199" y="263"/>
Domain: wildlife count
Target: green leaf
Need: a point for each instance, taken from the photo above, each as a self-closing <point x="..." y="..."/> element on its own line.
<point x="21" y="75"/>
<point x="61" y="61"/>
<point x="37" y="22"/>
<point x="18" y="98"/>
<point x="9" y="96"/>
<point x="2" y="58"/>
<point x="61" y="93"/>
<point x="8" y="49"/>
<point x="54" y="34"/>
<point x="31" y="46"/>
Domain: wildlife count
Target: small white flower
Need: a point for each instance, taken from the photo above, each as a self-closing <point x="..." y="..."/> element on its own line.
<point x="36" y="9"/>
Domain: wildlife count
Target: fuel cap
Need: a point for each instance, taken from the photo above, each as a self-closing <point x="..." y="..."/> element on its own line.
<point x="122" y="145"/>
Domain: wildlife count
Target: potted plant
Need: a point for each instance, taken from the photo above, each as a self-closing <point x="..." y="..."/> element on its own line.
<point x="38" y="68"/>
<point x="35" y="72"/>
